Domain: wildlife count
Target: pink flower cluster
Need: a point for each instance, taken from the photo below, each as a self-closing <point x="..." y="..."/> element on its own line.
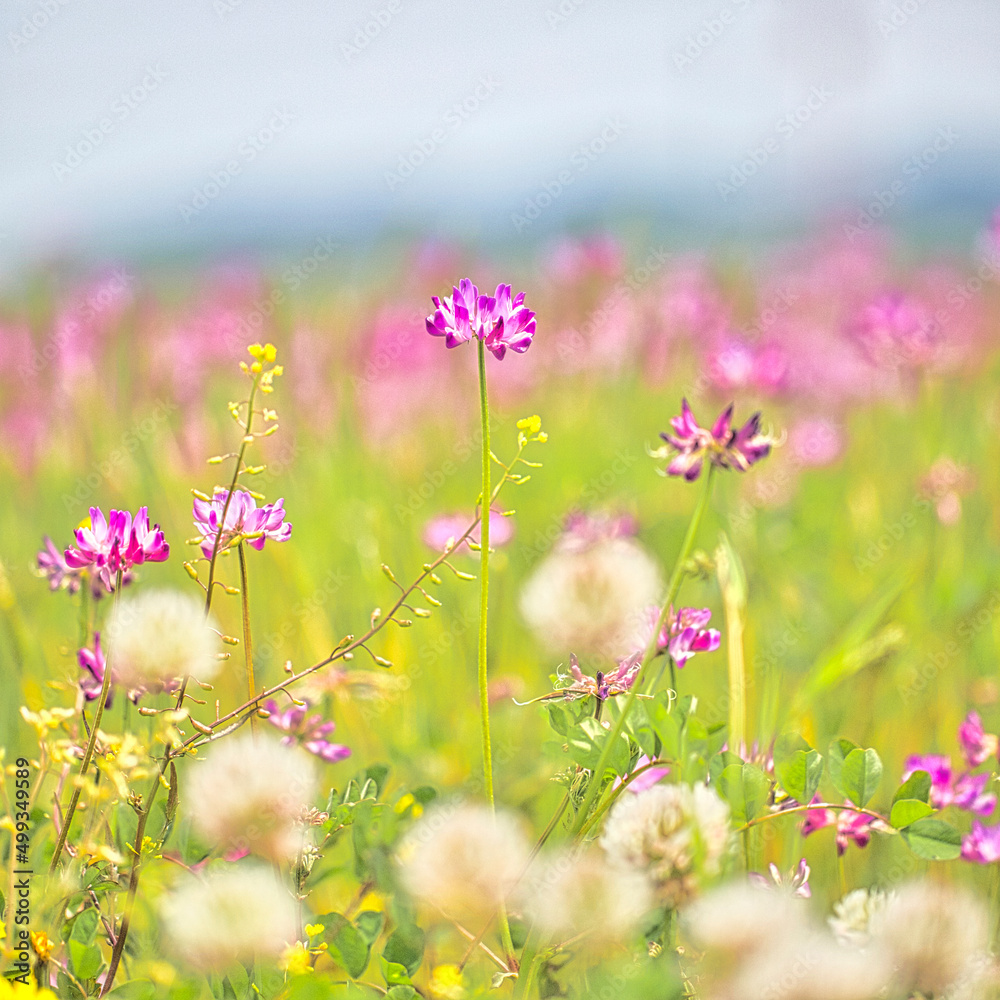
<point x="309" y="731"/>
<point x="243" y="518"/>
<point x="498" y="320"/>
<point x="114" y="545"/>
<point x="850" y="824"/>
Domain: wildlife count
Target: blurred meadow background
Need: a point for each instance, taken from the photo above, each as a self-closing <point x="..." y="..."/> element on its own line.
<point x="786" y="206"/>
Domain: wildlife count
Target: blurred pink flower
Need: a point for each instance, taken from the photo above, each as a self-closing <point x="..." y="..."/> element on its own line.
<point x="982" y="845"/>
<point x="440" y="529"/>
<point x="308" y="731"/>
<point x="977" y="745"/>
<point x="816" y="441"/>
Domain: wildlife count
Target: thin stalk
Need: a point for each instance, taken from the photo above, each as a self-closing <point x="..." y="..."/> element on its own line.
<point x="484" y="590"/>
<point x="651" y="649"/>
<point x="247" y="644"/>
<point x="88" y="754"/>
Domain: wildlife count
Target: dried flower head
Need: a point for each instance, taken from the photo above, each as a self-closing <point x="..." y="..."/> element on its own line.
<point x="240" y="913"/>
<point x="159" y="637"/>
<point x="252" y="793"/>
<point x="675" y="834"/>
<point x="463" y="859"/>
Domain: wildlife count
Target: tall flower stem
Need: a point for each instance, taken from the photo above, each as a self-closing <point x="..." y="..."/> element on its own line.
<point x="484" y="590"/>
<point x="247" y="644"/>
<point x="593" y="789"/>
<point x="88" y="754"/>
<point x="534" y="945"/>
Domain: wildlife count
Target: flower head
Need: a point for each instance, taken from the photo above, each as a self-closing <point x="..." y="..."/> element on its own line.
<point x="851" y="825"/>
<point x="603" y="685"/>
<point x="463" y="859"/>
<point x="240" y="913"/>
<point x="160" y="637"/>
<point x="796" y="883"/>
<point x="242" y="518"/>
<point x="684" y="633"/>
<point x="116" y="543"/>
<point x="690" y="445"/>
<point x="52" y="565"/>
<point x="93" y="662"/>
<point x="967" y="791"/>
<point x="977" y="745"/>
<point x="500" y="320"/>
<point x="982" y="845"/>
<point x="675" y="834"/>
<point x="448" y="527"/>
<point x="251" y="793"/>
<point x="308" y="731"/>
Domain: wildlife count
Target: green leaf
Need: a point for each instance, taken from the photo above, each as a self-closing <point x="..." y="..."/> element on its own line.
<point x="587" y="742"/>
<point x="347" y="946"/>
<point x="861" y="774"/>
<point x="85" y="958"/>
<point x="933" y="839"/>
<point x="836" y="755"/>
<point x="405" y="947"/>
<point x="746" y="789"/>
<point x="907" y="811"/>
<point x="85" y="927"/>
<point x="135" y="989"/>
<point x="722" y="760"/>
<point x="369" y="925"/>
<point x="916" y="786"/>
<point x="393" y="973"/>
<point x="800" y="774"/>
<point x="402" y="993"/>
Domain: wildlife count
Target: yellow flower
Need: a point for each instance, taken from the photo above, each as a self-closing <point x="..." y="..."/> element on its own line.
<point x="13" y="990"/>
<point x="446" y="983"/>
<point x="295" y="959"/>
<point x="42" y="945"/>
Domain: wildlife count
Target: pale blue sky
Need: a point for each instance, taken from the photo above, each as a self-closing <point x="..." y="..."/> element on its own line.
<point x="312" y="130"/>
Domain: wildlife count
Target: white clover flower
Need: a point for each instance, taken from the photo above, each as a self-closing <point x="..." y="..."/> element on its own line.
<point x="251" y="793"/>
<point x="858" y="915"/>
<point x="935" y="934"/>
<point x="592" y="598"/>
<point x="160" y="637"/>
<point x="675" y="834"/>
<point x="762" y="944"/>
<point x="463" y="859"/>
<point x="573" y="893"/>
<point x="240" y="913"/>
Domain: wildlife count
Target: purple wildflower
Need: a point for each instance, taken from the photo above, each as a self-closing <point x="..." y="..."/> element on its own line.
<point x="310" y="731"/>
<point x="977" y="745"/>
<point x="689" y="445"/>
<point x="52" y="565"/>
<point x="965" y="791"/>
<point x="649" y="777"/>
<point x="92" y="661"/>
<point x="116" y="544"/>
<point x="982" y="845"/>
<point x="850" y="825"/>
<point x="797" y="882"/>
<point x="685" y="634"/>
<point x="603" y="685"/>
<point x="243" y="517"/>
<point x="500" y="320"/>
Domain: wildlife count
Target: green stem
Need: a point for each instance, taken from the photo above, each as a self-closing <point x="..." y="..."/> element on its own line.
<point x="484" y="589"/>
<point x="247" y="644"/>
<point x="597" y="779"/>
<point x="88" y="755"/>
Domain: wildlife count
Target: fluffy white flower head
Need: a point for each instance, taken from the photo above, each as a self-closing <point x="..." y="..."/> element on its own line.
<point x="675" y="834"/>
<point x="592" y="599"/>
<point x="160" y="636"/>
<point x="463" y="860"/>
<point x="231" y="915"/>
<point x="251" y="793"/>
